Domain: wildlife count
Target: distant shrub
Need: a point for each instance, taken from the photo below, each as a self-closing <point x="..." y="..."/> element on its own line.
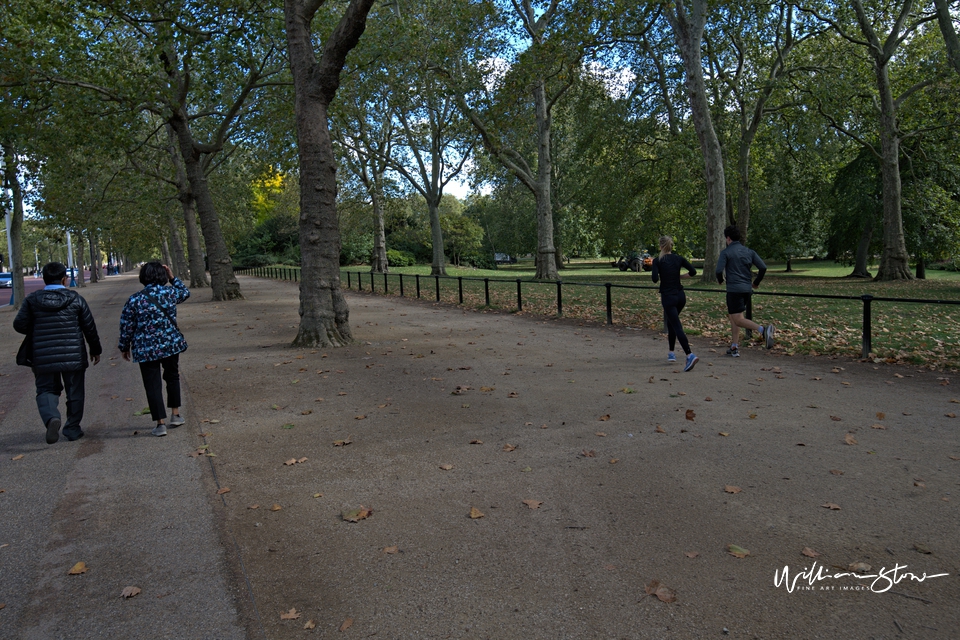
<point x="397" y="258"/>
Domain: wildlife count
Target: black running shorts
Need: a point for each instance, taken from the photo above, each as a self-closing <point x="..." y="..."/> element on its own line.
<point x="737" y="302"/>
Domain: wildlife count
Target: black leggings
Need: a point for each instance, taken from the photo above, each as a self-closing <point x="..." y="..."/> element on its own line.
<point x="153" y="385"/>
<point x="673" y="304"/>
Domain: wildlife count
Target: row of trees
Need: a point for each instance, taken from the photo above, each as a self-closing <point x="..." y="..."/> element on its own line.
<point x="157" y="127"/>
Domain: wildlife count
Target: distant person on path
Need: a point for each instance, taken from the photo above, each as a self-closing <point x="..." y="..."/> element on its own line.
<point x="56" y="321"/>
<point x="667" y="269"/>
<point x="149" y="336"/>
<point x="736" y="260"/>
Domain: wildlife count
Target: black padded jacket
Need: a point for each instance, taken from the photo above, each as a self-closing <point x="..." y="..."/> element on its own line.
<point x="58" y="320"/>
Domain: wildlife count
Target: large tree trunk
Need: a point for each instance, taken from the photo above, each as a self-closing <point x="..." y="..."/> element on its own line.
<point x="688" y="31"/>
<point x="96" y="268"/>
<point x="893" y="259"/>
<point x="546" y="252"/>
<point x="165" y="252"/>
<point x="222" y="280"/>
<point x="12" y="179"/>
<point x="378" y="262"/>
<point x="198" y="271"/>
<point x="438" y="267"/>
<point x="80" y="279"/>
<point x="949" y="31"/>
<point x="860" y="269"/>
<point x="324" y="315"/>
<point x="179" y="266"/>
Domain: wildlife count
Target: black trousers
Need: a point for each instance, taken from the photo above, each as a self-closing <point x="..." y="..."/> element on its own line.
<point x="673" y="304"/>
<point x="49" y="388"/>
<point x="153" y="384"/>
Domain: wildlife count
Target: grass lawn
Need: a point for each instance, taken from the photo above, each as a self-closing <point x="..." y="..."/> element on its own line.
<point x="914" y="333"/>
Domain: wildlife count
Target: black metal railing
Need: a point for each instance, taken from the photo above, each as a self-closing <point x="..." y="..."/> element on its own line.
<point x="357" y="277"/>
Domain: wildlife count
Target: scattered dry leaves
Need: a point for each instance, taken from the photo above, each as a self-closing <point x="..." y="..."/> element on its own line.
<point x="691" y="415"/>
<point x="509" y="447"/>
<point x="77" y="569"/>
<point x="737" y="551"/>
<point x="223" y="490"/>
<point x="290" y="615"/>
<point x="662" y="592"/>
<point x="533" y="504"/>
<point x="391" y="550"/>
<point x="830" y="505"/>
<point x="346" y="624"/>
<point x="356" y="515"/>
<point x="849" y="439"/>
<point x="475" y="513"/>
<point x="129" y="592"/>
<point x="810" y="553"/>
<point x="446" y="467"/>
<point x="732" y="489"/>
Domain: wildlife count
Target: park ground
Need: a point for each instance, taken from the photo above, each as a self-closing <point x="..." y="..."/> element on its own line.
<point x="590" y="465"/>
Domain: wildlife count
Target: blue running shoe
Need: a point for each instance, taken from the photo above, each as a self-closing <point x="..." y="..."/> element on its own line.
<point x="692" y="360"/>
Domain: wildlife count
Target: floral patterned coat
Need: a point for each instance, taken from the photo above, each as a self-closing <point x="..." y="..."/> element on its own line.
<point x="145" y="330"/>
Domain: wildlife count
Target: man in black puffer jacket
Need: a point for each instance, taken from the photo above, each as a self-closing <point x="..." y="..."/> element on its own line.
<point x="57" y="320"/>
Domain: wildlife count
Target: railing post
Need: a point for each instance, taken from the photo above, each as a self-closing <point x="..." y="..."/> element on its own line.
<point x="486" y="290"/>
<point x="401" y="284"/>
<point x="460" y="287"/>
<point x="559" y="298"/>
<point x="349" y="284"/>
<point x="749" y="315"/>
<point x="867" y="346"/>
<point x="609" y="305"/>
<point x="385" y="288"/>
<point x="519" y="297"/>
<point x="437" y="280"/>
<point x="372" y="288"/>
<point x="359" y="281"/>
<point x="418" y="285"/>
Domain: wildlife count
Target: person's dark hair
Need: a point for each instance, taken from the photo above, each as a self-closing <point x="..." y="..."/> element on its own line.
<point x="54" y="273"/>
<point x="732" y="232"/>
<point x="153" y="273"/>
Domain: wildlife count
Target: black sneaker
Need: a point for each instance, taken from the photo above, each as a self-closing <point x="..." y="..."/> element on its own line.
<point x="53" y="430"/>
<point x="733" y="352"/>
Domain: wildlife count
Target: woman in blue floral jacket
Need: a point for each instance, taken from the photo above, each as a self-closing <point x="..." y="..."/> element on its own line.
<point x="149" y="335"/>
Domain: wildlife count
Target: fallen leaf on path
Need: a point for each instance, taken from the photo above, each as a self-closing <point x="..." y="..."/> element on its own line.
<point x="360" y="417"/>
<point x="306" y="412"/>
<point x="737" y="551"/>
<point x="487" y="389"/>
<point x="290" y="461"/>
<point x="476" y="442"/>
<point x="836" y="419"/>
<point x="690" y="415"/>
<point x="659" y="429"/>
<point x="77" y="569"/>
<point x="732" y="489"/>
<point x="830" y="505"/>
<point x="533" y="504"/>
<point x="950" y="415"/>
<point x="589" y="454"/>
<point x="342" y="443"/>
<point x="723" y="433"/>
<point x="708" y="399"/>
<point x="526" y="470"/>
<point x="310" y="624"/>
<point x="318" y="495"/>
<point x="222" y="491"/>
<point x="877" y="426"/>
<point x="810" y="553"/>
<point x="513" y="394"/>
<point x="859" y="567"/>
<point x="614" y="460"/>
<point x="253" y="506"/>
<point x="209" y="366"/>
<point x="922" y="549"/>
<point x="356" y="515"/>
<point x="446" y="467"/>
<point x="509" y="447"/>
<point x="17" y="457"/>
<point x="290" y="615"/>
<point x="346" y="624"/>
<point x="600" y="434"/>
<point x="604" y="418"/>
<point x="276" y="507"/>
<point x="692" y="554"/>
<point x="849" y="439"/>
<point x="661" y="591"/>
<point x="129" y="592"/>
<point x="475" y="513"/>
<point x="836" y="472"/>
<point x="391" y="550"/>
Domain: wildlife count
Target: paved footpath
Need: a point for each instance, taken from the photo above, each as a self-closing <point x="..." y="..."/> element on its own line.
<point x="132" y="507"/>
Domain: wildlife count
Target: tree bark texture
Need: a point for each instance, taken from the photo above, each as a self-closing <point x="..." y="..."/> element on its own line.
<point x="378" y="262"/>
<point x="80" y="259"/>
<point x="546" y="252"/>
<point x="223" y="282"/>
<point x="12" y="179"/>
<point x="179" y="266"/>
<point x="165" y="252"/>
<point x="949" y="31"/>
<point x="198" y="271"/>
<point x="324" y="315"/>
<point x="438" y="266"/>
<point x="96" y="268"/>
<point x="688" y="31"/>
<point x="860" y="269"/>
